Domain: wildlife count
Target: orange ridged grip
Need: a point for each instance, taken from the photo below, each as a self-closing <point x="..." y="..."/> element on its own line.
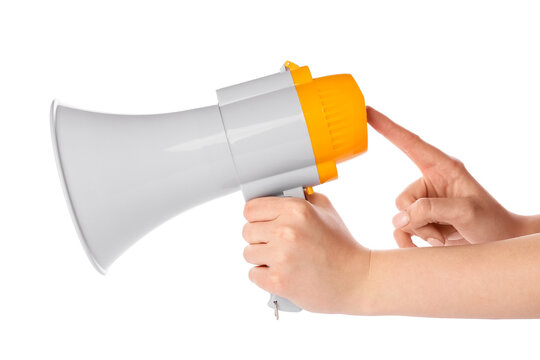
<point x="335" y="114"/>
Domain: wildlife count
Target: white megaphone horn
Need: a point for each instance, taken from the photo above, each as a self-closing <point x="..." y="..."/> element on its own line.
<point x="124" y="175"/>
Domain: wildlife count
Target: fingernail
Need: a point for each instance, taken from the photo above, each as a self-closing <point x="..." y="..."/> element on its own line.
<point x="454" y="236"/>
<point x="434" y="242"/>
<point x="400" y="220"/>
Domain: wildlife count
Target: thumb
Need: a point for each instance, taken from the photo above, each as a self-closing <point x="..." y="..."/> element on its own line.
<point x="318" y="199"/>
<point x="443" y="211"/>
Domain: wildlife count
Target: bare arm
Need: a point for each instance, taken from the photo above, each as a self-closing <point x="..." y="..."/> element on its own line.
<point x="304" y="252"/>
<point x="492" y="280"/>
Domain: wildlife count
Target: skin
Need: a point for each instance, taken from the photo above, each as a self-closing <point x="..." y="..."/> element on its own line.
<point x="303" y="251"/>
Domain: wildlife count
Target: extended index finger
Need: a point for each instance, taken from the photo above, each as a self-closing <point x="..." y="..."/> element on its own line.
<point x="420" y="152"/>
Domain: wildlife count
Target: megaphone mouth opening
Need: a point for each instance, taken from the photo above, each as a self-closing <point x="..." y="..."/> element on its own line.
<point x="54" y="106"/>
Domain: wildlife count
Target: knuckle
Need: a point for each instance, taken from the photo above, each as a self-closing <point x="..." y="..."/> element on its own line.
<point x="246" y="253"/>
<point x="247" y="209"/>
<point x="300" y="209"/>
<point x="245" y="231"/>
<point x="254" y="275"/>
<point x="457" y="164"/>
<point x="287" y="233"/>
<point x="283" y="257"/>
<point x="423" y="205"/>
<point x="275" y="282"/>
<point x="412" y="138"/>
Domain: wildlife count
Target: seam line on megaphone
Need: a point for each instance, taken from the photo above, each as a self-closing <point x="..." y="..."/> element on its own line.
<point x="229" y="146"/>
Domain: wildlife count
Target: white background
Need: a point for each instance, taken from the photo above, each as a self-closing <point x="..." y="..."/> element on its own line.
<point x="465" y="76"/>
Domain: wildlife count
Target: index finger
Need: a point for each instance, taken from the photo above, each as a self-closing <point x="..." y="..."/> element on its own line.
<point x="420" y="152"/>
<point x="266" y="208"/>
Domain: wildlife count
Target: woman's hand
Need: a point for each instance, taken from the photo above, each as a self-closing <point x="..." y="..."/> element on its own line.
<point x="446" y="206"/>
<point x="304" y="252"/>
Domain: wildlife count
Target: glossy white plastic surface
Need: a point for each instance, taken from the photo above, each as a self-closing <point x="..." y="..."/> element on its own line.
<point x="268" y="135"/>
<point x="124" y="175"/>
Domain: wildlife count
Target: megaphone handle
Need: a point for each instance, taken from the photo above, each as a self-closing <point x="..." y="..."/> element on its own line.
<point x="277" y="302"/>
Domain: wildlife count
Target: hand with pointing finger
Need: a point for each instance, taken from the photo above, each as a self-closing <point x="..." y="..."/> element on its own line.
<point x="446" y="206"/>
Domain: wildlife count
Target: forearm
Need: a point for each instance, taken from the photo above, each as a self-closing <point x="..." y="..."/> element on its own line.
<point x="493" y="280"/>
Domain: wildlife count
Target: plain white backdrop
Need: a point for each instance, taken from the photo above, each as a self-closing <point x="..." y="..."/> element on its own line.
<point x="464" y="75"/>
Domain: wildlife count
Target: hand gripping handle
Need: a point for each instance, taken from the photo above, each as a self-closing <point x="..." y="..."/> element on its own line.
<point x="276" y="302"/>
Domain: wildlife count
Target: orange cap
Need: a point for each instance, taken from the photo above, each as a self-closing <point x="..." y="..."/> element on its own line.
<point x="335" y="115"/>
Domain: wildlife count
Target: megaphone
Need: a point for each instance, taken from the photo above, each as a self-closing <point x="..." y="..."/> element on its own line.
<point x="278" y="135"/>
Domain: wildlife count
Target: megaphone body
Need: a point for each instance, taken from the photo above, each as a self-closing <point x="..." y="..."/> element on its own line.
<point x="124" y="175"/>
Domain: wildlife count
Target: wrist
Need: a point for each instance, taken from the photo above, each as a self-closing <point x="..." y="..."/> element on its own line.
<point x="360" y="300"/>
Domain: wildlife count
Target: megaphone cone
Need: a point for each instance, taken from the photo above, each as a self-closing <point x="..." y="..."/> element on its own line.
<point x="125" y="175"/>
